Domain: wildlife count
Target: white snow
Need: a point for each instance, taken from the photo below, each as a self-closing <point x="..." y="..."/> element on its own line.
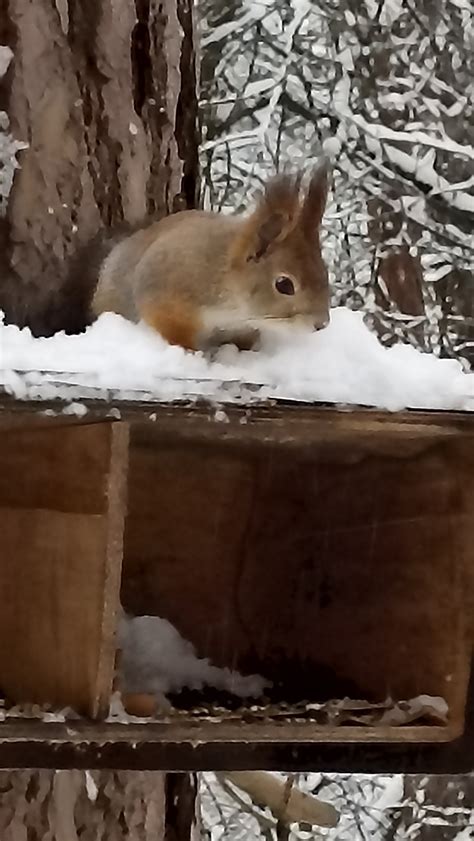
<point x="91" y="787"/>
<point x="45" y="713"/>
<point x="343" y="364"/>
<point x="392" y="795"/>
<point x="155" y="659"/>
<point x="6" y="56"/>
<point x="77" y="409"/>
<point x="9" y="146"/>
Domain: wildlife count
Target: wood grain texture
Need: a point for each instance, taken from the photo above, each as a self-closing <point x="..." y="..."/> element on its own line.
<point x="62" y="503"/>
<point x="63" y="470"/>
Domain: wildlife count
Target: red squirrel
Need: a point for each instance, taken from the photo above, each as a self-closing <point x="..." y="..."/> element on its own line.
<point x="204" y="279"/>
<point x="200" y="279"/>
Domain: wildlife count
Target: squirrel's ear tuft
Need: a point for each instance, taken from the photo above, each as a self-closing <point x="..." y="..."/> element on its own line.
<point x="276" y="215"/>
<point x="316" y="197"/>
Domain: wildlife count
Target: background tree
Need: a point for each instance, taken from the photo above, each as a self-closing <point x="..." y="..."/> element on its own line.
<point x="380" y="808"/>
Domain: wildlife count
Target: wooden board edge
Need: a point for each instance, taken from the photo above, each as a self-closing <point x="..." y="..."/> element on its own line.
<point x="191" y="731"/>
<point x="267" y="423"/>
<point x="72" y="745"/>
<point x="117" y="493"/>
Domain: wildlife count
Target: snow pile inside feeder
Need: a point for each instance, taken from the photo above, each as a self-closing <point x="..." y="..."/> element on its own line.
<point x="155" y="662"/>
<point x="155" y="659"/>
<point x="344" y="364"/>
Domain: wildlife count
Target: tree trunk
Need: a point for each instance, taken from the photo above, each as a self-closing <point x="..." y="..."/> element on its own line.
<point x="104" y="93"/>
<point x="91" y="805"/>
<point x="97" y="806"/>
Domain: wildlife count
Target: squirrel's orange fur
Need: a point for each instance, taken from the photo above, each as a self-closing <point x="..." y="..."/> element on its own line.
<point x="175" y="320"/>
<point x="201" y="279"/>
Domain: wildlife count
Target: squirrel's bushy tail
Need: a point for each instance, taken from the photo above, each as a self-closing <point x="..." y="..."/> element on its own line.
<point x="45" y="310"/>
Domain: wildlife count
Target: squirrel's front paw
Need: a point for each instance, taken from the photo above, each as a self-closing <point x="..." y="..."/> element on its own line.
<point x="244" y="338"/>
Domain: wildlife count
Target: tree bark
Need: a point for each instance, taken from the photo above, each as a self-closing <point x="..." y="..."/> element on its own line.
<point x="104" y="93"/>
<point x="97" y="806"/>
<point x="68" y="805"/>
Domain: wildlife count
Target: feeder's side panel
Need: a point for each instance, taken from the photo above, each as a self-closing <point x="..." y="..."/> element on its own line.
<point x="62" y="504"/>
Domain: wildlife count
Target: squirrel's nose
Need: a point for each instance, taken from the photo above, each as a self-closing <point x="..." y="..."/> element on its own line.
<point x="321" y="323"/>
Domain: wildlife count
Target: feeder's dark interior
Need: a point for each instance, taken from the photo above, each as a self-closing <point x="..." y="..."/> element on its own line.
<point x="335" y="567"/>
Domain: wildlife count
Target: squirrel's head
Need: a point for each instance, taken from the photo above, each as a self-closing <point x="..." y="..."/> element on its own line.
<point x="276" y="258"/>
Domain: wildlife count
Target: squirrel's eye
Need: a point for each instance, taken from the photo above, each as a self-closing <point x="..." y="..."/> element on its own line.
<point x="284" y="285"/>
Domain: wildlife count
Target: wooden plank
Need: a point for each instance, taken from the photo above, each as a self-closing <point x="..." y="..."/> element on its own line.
<point x="62" y="506"/>
<point x="65" y="469"/>
<point x="289" y="423"/>
<point x="198" y="746"/>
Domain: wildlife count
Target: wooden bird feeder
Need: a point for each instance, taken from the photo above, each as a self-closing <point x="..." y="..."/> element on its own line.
<point x="330" y="551"/>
